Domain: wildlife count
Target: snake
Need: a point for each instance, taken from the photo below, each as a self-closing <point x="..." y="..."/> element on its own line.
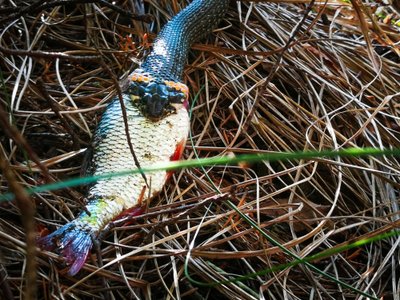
<point x="155" y="102"/>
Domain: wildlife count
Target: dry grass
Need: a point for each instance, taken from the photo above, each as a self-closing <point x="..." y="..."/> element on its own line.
<point x="269" y="79"/>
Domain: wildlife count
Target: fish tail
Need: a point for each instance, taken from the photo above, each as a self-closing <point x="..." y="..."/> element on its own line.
<point x="72" y="241"/>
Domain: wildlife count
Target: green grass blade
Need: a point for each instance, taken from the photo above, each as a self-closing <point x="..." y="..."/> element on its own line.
<point x="298" y="260"/>
<point x="211" y="161"/>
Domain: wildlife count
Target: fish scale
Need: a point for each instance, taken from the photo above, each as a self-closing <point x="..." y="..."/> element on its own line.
<point x="156" y="103"/>
<point x="151" y="141"/>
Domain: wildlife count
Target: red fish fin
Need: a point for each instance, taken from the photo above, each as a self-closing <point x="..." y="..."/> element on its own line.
<point x="178" y="150"/>
<point x="131" y="212"/>
<point x="180" y="147"/>
<point x="73" y="242"/>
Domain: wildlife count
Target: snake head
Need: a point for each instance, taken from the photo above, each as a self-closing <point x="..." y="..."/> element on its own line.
<point x="158" y="99"/>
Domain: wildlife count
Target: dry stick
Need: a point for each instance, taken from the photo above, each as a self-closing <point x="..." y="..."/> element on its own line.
<point x="46" y="54"/>
<point x="188" y="210"/>
<point x="39" y="6"/>
<point x="222" y="50"/>
<point x="4" y="285"/>
<point x="179" y="207"/>
<point x="14" y="134"/>
<point x="27" y="210"/>
<point x="128" y="138"/>
<point x="125" y="118"/>
<point x="271" y="74"/>
<point x="364" y="28"/>
<point x="55" y="108"/>
<point x="104" y="281"/>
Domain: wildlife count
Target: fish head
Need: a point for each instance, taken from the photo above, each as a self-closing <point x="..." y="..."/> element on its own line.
<point x="157" y="99"/>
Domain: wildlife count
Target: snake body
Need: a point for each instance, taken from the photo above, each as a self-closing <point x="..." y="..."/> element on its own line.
<point x="156" y="104"/>
<point x="172" y="44"/>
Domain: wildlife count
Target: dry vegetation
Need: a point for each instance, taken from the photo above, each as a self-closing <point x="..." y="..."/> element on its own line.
<point x="274" y="77"/>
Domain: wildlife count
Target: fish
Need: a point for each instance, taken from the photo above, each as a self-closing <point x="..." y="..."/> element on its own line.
<point x="156" y="104"/>
<point x="153" y="141"/>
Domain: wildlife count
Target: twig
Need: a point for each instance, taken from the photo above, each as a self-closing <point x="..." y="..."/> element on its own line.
<point x="14" y="134"/>
<point x="4" y="284"/>
<point x="45" y="54"/>
<point x="125" y="118"/>
<point x="54" y="107"/>
<point x="28" y="212"/>
<point x="39" y="6"/>
<point x="275" y="67"/>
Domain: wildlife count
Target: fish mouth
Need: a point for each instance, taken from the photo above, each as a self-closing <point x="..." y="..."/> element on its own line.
<point x="156" y="107"/>
<point x="157" y="115"/>
<point x="154" y="119"/>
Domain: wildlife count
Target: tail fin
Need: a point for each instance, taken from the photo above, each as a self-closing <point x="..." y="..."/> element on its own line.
<point x="72" y="241"/>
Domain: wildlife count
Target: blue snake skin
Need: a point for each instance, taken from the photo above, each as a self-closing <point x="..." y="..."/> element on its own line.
<point x="171" y="46"/>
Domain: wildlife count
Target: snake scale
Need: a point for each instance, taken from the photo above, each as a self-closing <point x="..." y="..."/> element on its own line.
<point x="156" y="103"/>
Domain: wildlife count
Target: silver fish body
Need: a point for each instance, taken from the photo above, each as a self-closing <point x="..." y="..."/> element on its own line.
<point x="153" y="142"/>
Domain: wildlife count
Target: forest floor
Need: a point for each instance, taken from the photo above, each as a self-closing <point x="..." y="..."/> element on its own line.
<point x="276" y="76"/>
